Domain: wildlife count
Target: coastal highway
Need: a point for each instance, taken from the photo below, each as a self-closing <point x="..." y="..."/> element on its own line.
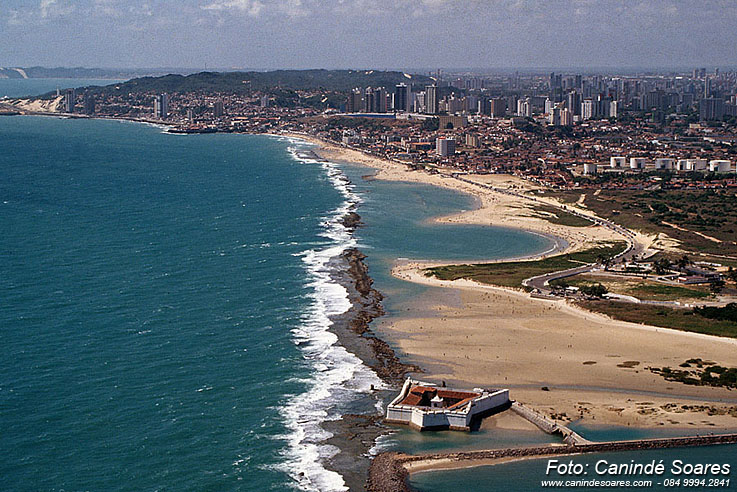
<point x="541" y="282"/>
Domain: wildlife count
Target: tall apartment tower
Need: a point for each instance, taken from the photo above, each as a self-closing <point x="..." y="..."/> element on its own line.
<point x="498" y="107"/>
<point x="70" y="97"/>
<point x="368" y="100"/>
<point x="431" y="99"/>
<point x="379" y="100"/>
<point x="89" y="104"/>
<point x="445" y="146"/>
<point x="402" y="98"/>
<point x="355" y="101"/>
<point x="161" y="106"/>
<point x="573" y="102"/>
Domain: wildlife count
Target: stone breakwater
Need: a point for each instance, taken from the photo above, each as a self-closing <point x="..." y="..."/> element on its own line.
<point x="389" y="471"/>
<point x="368" y="307"/>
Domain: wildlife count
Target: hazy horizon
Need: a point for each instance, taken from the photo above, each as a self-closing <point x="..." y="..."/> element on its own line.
<point x="493" y="35"/>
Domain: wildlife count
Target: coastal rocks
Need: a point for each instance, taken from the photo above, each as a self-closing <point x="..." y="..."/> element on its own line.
<point x="387" y="473"/>
<point x="355" y="434"/>
<point x="351" y="221"/>
<point x="366" y="308"/>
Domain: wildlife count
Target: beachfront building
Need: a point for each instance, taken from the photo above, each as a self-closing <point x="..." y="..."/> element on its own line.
<point x="161" y="106"/>
<point x="425" y="406"/>
<point x="445" y="146"/>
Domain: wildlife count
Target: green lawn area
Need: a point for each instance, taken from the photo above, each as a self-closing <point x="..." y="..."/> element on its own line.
<point x="662" y="292"/>
<point x="511" y="274"/>
<point x="561" y="217"/>
<point x="679" y="319"/>
<point x="642" y="289"/>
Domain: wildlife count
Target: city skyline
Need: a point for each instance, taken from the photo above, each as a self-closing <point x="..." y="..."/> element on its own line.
<point x="238" y="34"/>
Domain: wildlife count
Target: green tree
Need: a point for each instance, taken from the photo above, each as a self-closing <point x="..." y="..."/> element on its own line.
<point x="662" y="266"/>
<point x="594" y="290"/>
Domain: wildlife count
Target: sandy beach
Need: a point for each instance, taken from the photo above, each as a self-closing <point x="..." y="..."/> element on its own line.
<point x="593" y="368"/>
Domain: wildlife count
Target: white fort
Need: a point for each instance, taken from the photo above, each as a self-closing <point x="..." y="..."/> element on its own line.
<point x="425" y="406"/>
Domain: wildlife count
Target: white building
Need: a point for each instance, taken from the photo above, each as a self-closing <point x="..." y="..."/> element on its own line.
<point x="425" y="406"/>
<point x="698" y="164"/>
<point x="720" y="166"/>
<point x="617" y="162"/>
<point x="614" y="109"/>
<point x="524" y="107"/>
<point x="637" y="163"/>
<point x="161" y="106"/>
<point x="589" y="169"/>
<point x="445" y="146"/>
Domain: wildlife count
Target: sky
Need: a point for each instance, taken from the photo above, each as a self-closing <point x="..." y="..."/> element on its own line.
<point x="379" y="34"/>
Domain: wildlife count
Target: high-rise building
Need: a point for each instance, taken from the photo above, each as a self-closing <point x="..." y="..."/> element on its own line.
<point x="431" y="99"/>
<point x="161" y="106"/>
<point x="573" y="102"/>
<point x="588" y="109"/>
<point x="265" y="101"/>
<point x="566" y="117"/>
<point x="402" y="97"/>
<point x="218" y="110"/>
<point x="355" y="101"/>
<point x="445" y="146"/>
<point x="70" y="98"/>
<point x="554" y="116"/>
<point x="379" y="100"/>
<point x="711" y="108"/>
<point x="89" y="104"/>
<point x="498" y="107"/>
<point x="524" y="107"/>
<point x="614" y="109"/>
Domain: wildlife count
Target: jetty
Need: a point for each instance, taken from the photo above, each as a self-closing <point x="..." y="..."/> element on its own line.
<point x="547" y="425"/>
<point x="389" y="471"/>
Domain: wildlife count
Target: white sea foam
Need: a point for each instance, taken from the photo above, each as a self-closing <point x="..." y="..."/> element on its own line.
<point x="337" y="375"/>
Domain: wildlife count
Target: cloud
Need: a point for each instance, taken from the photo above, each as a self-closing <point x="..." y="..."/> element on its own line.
<point x="251" y="8"/>
<point x="54" y="8"/>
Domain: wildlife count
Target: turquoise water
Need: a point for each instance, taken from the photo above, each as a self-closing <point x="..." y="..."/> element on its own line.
<point x="527" y="475"/>
<point x="35" y="87"/>
<point x="166" y="304"/>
